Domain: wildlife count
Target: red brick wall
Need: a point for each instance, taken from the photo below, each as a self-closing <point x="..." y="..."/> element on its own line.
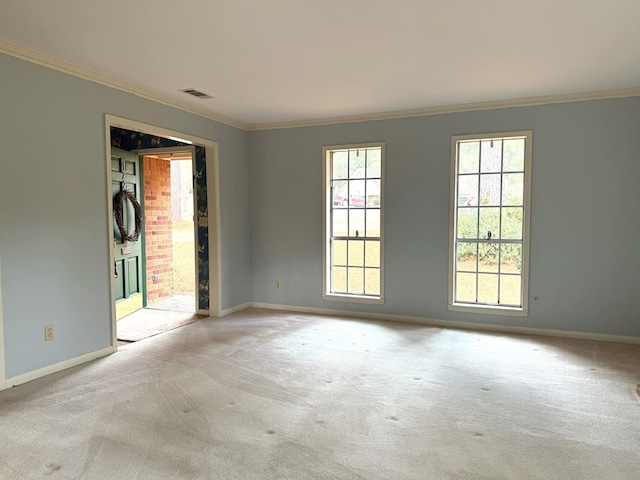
<point x="158" y="239"/>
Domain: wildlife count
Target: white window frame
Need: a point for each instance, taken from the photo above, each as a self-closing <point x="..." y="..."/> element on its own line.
<point x="327" y="205"/>
<point x="521" y="311"/>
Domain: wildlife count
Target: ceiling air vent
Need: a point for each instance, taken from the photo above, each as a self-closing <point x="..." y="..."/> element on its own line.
<point x="196" y="93"/>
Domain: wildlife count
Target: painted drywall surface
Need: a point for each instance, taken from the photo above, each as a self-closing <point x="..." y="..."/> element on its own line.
<point x="234" y="222"/>
<point x="53" y="234"/>
<point x="585" y="254"/>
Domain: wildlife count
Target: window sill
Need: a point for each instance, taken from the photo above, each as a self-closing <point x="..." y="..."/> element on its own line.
<point x="334" y="297"/>
<point x="486" y="310"/>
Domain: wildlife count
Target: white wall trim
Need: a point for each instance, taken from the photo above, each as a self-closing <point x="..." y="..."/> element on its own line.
<point x="213" y="197"/>
<point x="2" y="368"/>
<point x="237" y="308"/>
<point x="445" y="109"/>
<point x="215" y="231"/>
<point x="57" y="367"/>
<point x="48" y="61"/>
<point x="434" y="322"/>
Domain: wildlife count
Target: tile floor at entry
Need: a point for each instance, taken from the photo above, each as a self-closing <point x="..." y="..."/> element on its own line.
<point x="164" y="314"/>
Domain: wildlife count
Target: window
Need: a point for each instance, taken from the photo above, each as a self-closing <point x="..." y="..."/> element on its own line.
<point x="354" y="223"/>
<point x="491" y="183"/>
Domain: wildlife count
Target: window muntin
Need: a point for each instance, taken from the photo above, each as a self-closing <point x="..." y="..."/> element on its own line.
<point x="353" y="252"/>
<point x="491" y="182"/>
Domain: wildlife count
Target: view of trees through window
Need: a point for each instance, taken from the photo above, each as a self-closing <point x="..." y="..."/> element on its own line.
<point x="489" y="219"/>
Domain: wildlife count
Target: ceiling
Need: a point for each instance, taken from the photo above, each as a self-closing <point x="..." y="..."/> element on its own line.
<point x="270" y="61"/>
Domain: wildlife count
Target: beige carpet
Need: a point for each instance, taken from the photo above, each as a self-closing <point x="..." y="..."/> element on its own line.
<point x="263" y="395"/>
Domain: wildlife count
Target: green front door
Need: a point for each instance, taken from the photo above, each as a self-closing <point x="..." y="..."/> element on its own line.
<point x="128" y="256"/>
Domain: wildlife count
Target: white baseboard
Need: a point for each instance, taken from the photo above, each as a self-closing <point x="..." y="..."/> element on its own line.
<point x="599" y="337"/>
<point x="235" y="309"/>
<point x="202" y="312"/>
<point x="57" y="367"/>
<point x="87" y="357"/>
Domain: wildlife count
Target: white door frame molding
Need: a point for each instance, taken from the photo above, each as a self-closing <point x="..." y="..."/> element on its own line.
<point x="213" y="199"/>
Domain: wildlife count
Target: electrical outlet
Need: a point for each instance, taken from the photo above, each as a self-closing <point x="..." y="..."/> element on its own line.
<point x="48" y="333"/>
<point x="277" y="284"/>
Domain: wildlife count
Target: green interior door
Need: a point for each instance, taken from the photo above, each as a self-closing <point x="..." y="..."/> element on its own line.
<point x="128" y="256"/>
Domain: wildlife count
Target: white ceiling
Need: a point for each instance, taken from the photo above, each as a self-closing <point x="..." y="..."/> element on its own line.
<point x="270" y="61"/>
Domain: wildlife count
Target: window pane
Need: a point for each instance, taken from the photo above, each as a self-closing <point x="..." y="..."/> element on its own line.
<point x="510" y="290"/>
<point x="469" y="155"/>
<point x="488" y="257"/>
<point x="340" y="164"/>
<point x="339" y="252"/>
<point x="489" y="223"/>
<point x="356" y="280"/>
<point x="373" y="223"/>
<point x="468" y="190"/>
<point x="466" y="256"/>
<point x="339" y="279"/>
<point x="339" y="191"/>
<point x="487" y="288"/>
<point x="357" y="163"/>
<point x="374" y="162"/>
<point x="512" y="188"/>
<point x="490" y="190"/>
<point x="340" y="222"/>
<point x="372" y="281"/>
<point x="512" y="223"/>
<point x="356" y="253"/>
<point x="491" y="156"/>
<point x="372" y="254"/>
<point x="356" y="223"/>
<point x="356" y="193"/>
<point x="467" y="223"/>
<point x="466" y="287"/>
<point x="511" y="258"/>
<point x="373" y="193"/>
<point x="513" y="155"/>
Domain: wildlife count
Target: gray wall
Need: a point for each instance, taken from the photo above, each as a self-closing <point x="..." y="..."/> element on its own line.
<point x="53" y="231"/>
<point x="585" y="259"/>
<point x="53" y="228"/>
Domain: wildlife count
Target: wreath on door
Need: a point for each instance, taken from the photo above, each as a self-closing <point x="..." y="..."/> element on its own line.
<point x="118" y="212"/>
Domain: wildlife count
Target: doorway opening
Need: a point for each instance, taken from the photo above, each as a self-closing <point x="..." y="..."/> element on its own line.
<point x="132" y="278"/>
<point x="168" y="297"/>
<point x="171" y="280"/>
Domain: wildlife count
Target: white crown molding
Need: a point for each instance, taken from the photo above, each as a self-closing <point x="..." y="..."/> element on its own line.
<point x="445" y="109"/>
<point x="48" y="61"/>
